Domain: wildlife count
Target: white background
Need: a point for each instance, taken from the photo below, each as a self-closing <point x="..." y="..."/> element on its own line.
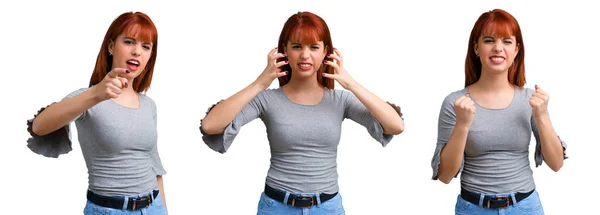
<point x="411" y="53"/>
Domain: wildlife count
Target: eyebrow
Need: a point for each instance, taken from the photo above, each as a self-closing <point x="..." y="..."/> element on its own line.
<point x="131" y="38"/>
<point x="314" y="44"/>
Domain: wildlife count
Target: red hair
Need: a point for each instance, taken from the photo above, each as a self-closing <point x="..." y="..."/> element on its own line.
<point x="496" y="23"/>
<point x="139" y="26"/>
<point x="306" y="28"/>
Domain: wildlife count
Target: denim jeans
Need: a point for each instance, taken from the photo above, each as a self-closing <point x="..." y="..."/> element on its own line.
<point x="156" y="208"/>
<point x="269" y="206"/>
<point x="528" y="206"/>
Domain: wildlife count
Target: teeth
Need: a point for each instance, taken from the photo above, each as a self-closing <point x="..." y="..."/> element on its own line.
<point x="133" y="62"/>
<point x="304" y="64"/>
<point x="497" y="58"/>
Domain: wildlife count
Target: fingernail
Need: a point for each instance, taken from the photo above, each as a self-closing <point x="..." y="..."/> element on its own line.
<point x="324" y="61"/>
<point x="286" y="61"/>
<point x="127" y="71"/>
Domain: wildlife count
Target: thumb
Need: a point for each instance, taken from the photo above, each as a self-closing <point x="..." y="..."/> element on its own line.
<point x="537" y="87"/>
<point x="123" y="81"/>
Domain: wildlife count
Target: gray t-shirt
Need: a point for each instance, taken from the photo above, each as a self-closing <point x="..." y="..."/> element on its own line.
<point x="497" y="149"/>
<point x="119" y="145"/>
<point x="303" y="138"/>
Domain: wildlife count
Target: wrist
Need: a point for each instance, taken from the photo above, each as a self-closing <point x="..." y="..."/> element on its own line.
<point x="463" y="126"/>
<point x="257" y="86"/>
<point x="353" y="86"/>
<point x="541" y="118"/>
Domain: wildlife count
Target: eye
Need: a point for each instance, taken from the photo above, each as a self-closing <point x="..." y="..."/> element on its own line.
<point x="147" y="47"/>
<point x="508" y="41"/>
<point x="296" y="46"/>
<point x="315" y="47"/>
<point x="488" y="40"/>
<point x="129" y="42"/>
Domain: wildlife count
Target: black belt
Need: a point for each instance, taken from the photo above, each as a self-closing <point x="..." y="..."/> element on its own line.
<point x="133" y="203"/>
<point x="296" y="200"/>
<point x="493" y="202"/>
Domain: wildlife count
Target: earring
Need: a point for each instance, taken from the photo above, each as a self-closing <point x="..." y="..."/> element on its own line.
<point x="110" y="53"/>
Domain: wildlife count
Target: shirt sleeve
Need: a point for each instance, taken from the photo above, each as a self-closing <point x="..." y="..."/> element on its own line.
<point x="446" y="122"/>
<point x="157" y="166"/>
<point x="57" y="142"/>
<point x="356" y="111"/>
<point x="222" y="142"/>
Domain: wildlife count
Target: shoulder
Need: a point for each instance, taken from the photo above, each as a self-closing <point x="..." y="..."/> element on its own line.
<point x="527" y="92"/>
<point x="340" y="94"/>
<point x="451" y="97"/>
<point x="270" y="92"/>
<point x="146" y="100"/>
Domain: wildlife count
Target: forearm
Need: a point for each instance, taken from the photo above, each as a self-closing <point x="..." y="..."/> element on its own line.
<point x="61" y="113"/>
<point x="552" y="149"/>
<point x="452" y="155"/>
<point x="389" y="119"/>
<point x="161" y="190"/>
<point x="223" y="113"/>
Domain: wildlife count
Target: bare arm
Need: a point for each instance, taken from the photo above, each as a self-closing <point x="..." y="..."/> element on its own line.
<point x="61" y="113"/>
<point x="452" y="155"/>
<point x="391" y="121"/>
<point x="223" y="113"/>
<point x="552" y="149"/>
<point x="161" y="190"/>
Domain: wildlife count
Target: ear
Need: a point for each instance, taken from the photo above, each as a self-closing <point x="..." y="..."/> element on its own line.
<point x="517" y="48"/>
<point x="111" y="47"/>
<point x="476" y="48"/>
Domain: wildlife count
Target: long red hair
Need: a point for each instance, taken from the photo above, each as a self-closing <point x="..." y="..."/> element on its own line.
<point x="306" y="28"/>
<point x="139" y="26"/>
<point x="495" y="23"/>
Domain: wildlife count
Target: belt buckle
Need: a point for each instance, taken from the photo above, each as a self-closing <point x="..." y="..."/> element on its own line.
<point x="312" y="201"/>
<point x="148" y="200"/>
<point x="507" y="198"/>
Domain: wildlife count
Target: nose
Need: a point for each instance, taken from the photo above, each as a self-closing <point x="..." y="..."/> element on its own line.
<point x="137" y="50"/>
<point x="305" y="53"/>
<point x="498" y="46"/>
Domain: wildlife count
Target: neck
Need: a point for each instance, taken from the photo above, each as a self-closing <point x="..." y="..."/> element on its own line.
<point x="492" y="81"/>
<point x="304" y="84"/>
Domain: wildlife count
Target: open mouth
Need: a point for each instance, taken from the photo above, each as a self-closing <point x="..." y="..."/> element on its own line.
<point x="304" y="66"/>
<point x="133" y="64"/>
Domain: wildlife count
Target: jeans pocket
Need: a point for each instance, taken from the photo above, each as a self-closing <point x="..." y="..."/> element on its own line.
<point x="463" y="207"/>
<point x="93" y="209"/>
<point x="267" y="204"/>
<point x="333" y="206"/>
<point x="530" y="204"/>
<point x="157" y="206"/>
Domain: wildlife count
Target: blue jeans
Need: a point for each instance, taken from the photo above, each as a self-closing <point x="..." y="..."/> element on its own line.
<point x="269" y="206"/>
<point x="156" y="208"/>
<point x="527" y="206"/>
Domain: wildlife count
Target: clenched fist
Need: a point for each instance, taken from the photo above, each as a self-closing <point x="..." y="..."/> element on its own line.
<point x="464" y="108"/>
